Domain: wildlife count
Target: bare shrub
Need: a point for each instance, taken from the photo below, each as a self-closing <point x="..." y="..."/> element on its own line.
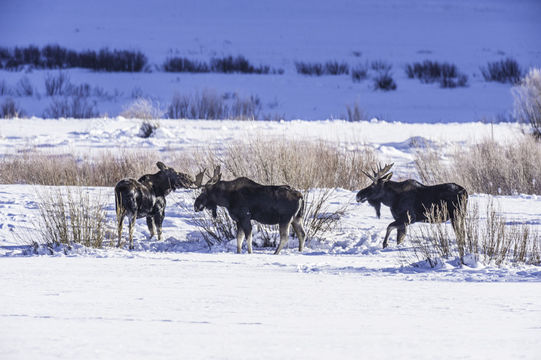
<point x="54" y="169"/>
<point x="210" y="105"/>
<point x="313" y="69"/>
<point x="247" y="108"/>
<point x="226" y="65"/>
<point x="432" y="71"/>
<point x="214" y="230"/>
<point x="336" y="68"/>
<point x="384" y="81"/>
<point x="70" y="216"/>
<point x="143" y="108"/>
<point x="489" y="240"/>
<point x="301" y="164"/>
<point x="76" y="107"/>
<point x="527" y="101"/>
<point x="5" y="89"/>
<point x="180" y="64"/>
<point x="355" y="113"/>
<point x="487" y="167"/>
<point x="239" y="64"/>
<point x="504" y="71"/>
<point x="9" y="109"/>
<point x="57" y="84"/>
<point x="24" y="87"/>
<point x="359" y="72"/>
<point x="318" y="69"/>
<point x="82" y="90"/>
<point x="148" y="129"/>
<point x="380" y="66"/>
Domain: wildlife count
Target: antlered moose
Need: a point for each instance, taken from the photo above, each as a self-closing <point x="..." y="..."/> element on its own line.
<point x="410" y="201"/>
<point x="246" y="200"/>
<point x="145" y="197"/>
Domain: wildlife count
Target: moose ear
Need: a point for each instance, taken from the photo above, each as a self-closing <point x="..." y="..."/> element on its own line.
<point x="387" y="177"/>
<point x="161" y="165"/>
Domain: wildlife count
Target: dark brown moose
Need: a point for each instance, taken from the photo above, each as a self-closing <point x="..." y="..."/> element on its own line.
<point x="246" y="200"/>
<point x="145" y="197"/>
<point x="410" y="201"/>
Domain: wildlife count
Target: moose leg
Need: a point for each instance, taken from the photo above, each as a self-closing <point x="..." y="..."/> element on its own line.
<point x="150" y="224"/>
<point x="240" y="237"/>
<point x="297" y="227"/>
<point x="394" y="225"/>
<point x="401" y="234"/>
<point x="247" y="226"/>
<point x="284" y="232"/>
<point x="131" y="227"/>
<point x="158" y="220"/>
<point x="119" y="228"/>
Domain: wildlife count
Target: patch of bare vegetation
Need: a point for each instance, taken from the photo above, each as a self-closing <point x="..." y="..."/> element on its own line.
<point x="105" y="169"/>
<point x="70" y="217"/>
<point x="488" y="239"/>
<point x="488" y="167"/>
<point x="527" y="105"/>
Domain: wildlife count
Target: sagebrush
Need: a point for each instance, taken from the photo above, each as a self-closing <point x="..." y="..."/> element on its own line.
<point x="527" y="101"/>
<point x="487" y="167"/>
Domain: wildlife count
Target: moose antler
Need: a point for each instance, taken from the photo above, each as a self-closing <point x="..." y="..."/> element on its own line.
<point x="383" y="171"/>
<point x="379" y="172"/>
<point x="199" y="179"/>
<point x="215" y="177"/>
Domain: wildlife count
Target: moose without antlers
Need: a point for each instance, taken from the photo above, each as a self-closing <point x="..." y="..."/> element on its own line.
<point x="145" y="197"/>
<point x="410" y="200"/>
<point x="246" y="200"/>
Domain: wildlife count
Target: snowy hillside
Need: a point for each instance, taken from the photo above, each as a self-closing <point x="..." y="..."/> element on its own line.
<point x="279" y="34"/>
<point x="342" y="297"/>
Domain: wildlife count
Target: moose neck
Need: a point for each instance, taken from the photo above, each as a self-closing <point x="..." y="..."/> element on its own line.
<point x="219" y="195"/>
<point x="390" y="191"/>
<point x="161" y="185"/>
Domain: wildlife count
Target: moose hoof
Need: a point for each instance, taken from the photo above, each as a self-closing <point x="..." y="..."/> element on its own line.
<point x="384" y="245"/>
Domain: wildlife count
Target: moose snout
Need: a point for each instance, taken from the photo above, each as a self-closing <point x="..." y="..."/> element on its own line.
<point x="198" y="207"/>
<point x="360" y="197"/>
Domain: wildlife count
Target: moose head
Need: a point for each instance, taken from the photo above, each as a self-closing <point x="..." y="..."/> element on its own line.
<point x="167" y="180"/>
<point x="207" y="198"/>
<point x="375" y="192"/>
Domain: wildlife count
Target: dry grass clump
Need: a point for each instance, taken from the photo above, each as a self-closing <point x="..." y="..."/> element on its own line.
<point x="489" y="239"/>
<point x="70" y="216"/>
<point x="487" y="167"/>
<point x="142" y="108"/>
<point x="300" y="164"/>
<point x="49" y="169"/>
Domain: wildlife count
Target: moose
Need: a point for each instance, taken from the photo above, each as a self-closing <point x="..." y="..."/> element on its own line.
<point x="145" y="197"/>
<point x="410" y="201"/>
<point x="246" y="200"/>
